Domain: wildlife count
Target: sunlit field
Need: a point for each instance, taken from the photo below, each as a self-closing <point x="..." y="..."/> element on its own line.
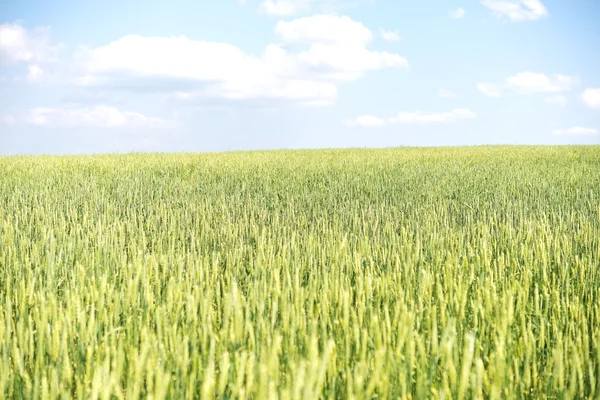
<point x="403" y="273"/>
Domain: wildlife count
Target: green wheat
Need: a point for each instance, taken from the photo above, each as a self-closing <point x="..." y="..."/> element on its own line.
<point x="402" y="273"/>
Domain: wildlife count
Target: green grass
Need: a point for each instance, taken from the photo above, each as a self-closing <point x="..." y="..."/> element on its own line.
<point x="402" y="273"/>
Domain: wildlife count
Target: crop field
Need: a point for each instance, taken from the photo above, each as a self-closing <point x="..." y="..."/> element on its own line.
<point x="399" y="273"/>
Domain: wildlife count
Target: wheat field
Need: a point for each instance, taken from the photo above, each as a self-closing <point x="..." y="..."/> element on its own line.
<point x="395" y="273"/>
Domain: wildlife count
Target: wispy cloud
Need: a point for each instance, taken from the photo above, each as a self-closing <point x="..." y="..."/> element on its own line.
<point x="575" y="131"/>
<point x="528" y="83"/>
<point x="367" y="121"/>
<point x="458" y="13"/>
<point x="18" y="44"/>
<point x="418" y="117"/>
<point x="390" y="36"/>
<point x="517" y="10"/>
<point x="447" y="94"/>
<point x="413" y="118"/>
<point x="557" y="100"/>
<point x="96" y="116"/>
<point x="284" y="7"/>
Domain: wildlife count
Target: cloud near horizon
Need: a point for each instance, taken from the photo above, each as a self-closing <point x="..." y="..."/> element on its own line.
<point x="575" y="131"/>
<point x="413" y="118"/>
<point x="529" y="83"/>
<point x="88" y="117"/>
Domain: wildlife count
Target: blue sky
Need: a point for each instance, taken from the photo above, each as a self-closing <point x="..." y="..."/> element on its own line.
<point x="128" y="76"/>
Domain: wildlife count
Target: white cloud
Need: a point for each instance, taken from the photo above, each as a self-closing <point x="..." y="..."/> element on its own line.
<point x="575" y="131"/>
<point x="18" y="44"/>
<point x="284" y="7"/>
<point x="8" y="119"/>
<point x="413" y="118"/>
<point x="33" y="48"/>
<point x="335" y="51"/>
<point x="517" y="10"/>
<point x="390" y="36"/>
<point x="458" y="13"/>
<point x="529" y="83"/>
<point x="35" y="73"/>
<point x="591" y="98"/>
<point x="490" y="89"/>
<point x="557" y="100"/>
<point x="447" y="94"/>
<point x="367" y="121"/>
<point x="324" y="29"/>
<point x="96" y="116"/>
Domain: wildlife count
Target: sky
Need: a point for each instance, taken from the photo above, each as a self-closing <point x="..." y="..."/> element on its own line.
<point x="86" y="77"/>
